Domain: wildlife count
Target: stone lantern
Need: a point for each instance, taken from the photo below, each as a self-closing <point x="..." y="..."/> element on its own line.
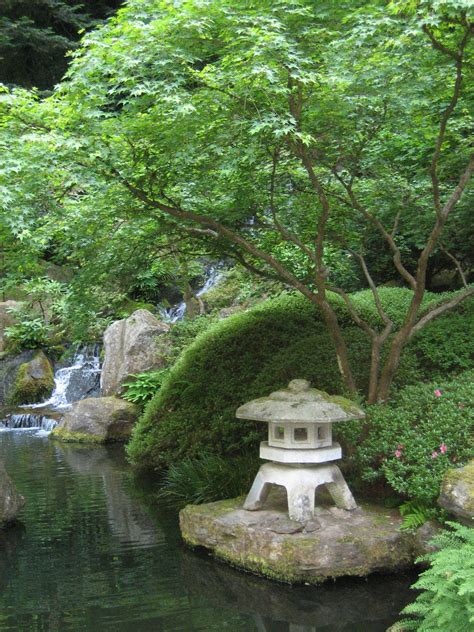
<point x="300" y="447"/>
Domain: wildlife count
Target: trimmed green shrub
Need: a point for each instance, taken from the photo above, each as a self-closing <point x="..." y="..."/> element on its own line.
<point x="415" y="438"/>
<point x="252" y="353"/>
<point x="446" y="602"/>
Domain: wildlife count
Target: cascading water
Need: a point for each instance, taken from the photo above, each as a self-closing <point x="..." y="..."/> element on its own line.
<point x="212" y="277"/>
<point x="26" y="421"/>
<point x="75" y="382"/>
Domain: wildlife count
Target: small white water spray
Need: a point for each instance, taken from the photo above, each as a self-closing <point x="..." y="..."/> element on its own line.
<point x="172" y="314"/>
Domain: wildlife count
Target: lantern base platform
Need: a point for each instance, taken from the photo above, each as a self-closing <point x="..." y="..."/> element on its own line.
<point x="336" y="543"/>
<point x="300" y="482"/>
<point x="300" y="455"/>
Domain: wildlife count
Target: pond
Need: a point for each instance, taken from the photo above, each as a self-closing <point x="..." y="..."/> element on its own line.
<point x="95" y="552"/>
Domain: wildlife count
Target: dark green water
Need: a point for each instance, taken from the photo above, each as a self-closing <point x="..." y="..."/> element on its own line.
<point x="93" y="553"/>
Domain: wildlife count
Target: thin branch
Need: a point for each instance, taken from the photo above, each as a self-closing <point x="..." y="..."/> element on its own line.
<point x="222" y="230"/>
<point x="441" y="309"/>
<point x="354" y="315"/>
<point x="457" y="263"/>
<point x="284" y="232"/>
<point x="251" y="268"/>
<point x="439" y="46"/>
<point x="458" y="56"/>
<point x="397" y="257"/>
<point x="375" y="293"/>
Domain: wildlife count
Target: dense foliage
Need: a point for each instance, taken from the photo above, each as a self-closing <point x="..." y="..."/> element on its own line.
<point x="447" y="586"/>
<point x="252" y="353"/>
<point x="413" y="440"/>
<point x="313" y="146"/>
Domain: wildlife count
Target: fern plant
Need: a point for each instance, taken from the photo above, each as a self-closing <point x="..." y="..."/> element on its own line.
<point x="144" y="386"/>
<point x="447" y="599"/>
<point x="415" y="514"/>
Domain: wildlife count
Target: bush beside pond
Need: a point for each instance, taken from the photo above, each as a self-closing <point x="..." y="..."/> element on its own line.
<point x="414" y="439"/>
<point x="253" y="353"/>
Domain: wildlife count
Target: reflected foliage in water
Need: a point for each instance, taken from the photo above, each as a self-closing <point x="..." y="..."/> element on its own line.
<point x="91" y="554"/>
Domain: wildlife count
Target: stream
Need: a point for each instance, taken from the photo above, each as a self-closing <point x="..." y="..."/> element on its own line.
<point x="94" y="551"/>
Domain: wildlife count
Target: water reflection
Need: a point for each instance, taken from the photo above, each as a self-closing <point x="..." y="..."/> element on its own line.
<point x="97" y="553"/>
<point x="126" y="516"/>
<point x="345" y="605"/>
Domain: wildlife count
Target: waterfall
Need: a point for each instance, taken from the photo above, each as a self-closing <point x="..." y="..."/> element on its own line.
<point x="172" y="314"/>
<point x="27" y="420"/>
<point x="78" y="381"/>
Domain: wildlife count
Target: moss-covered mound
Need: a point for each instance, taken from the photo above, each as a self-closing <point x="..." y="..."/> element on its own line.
<point x="253" y="353"/>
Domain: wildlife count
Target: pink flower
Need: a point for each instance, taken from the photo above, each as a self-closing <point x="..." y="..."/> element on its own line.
<point x="437" y="393"/>
<point x="443" y="448"/>
<point x="398" y="453"/>
<point x="434" y="454"/>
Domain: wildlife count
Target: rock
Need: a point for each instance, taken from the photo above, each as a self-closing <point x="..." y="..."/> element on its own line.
<point x="9" y="366"/>
<point x="6" y="319"/>
<point x="367" y="540"/>
<point x="132" y="345"/>
<point x="10" y="501"/>
<point x="34" y="381"/>
<point x="457" y="493"/>
<point x="97" y="420"/>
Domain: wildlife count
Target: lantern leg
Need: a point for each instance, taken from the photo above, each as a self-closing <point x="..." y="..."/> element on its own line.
<point x="300" y="503"/>
<point x="258" y="493"/>
<point x="339" y="490"/>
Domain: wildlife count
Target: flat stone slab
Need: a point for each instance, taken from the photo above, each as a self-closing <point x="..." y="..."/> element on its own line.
<point x="336" y="543"/>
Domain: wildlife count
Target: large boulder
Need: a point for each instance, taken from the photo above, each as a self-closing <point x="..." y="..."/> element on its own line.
<point x="6" y="319"/>
<point x="457" y="493"/>
<point x="10" y="501"/>
<point x="337" y="543"/>
<point x="97" y="420"/>
<point x="34" y="381"/>
<point x="133" y="345"/>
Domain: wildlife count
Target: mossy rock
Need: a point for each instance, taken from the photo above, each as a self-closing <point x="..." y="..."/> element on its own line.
<point x="34" y="381"/>
<point x="97" y="420"/>
<point x="354" y="543"/>
<point x="457" y="493"/>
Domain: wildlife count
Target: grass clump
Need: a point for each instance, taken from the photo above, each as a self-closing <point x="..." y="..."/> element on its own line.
<point x="208" y="478"/>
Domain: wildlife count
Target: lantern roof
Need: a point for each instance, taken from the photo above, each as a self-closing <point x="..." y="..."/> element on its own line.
<point x="299" y="403"/>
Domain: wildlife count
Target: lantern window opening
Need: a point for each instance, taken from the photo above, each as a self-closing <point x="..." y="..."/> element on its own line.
<point x="279" y="433"/>
<point x="300" y="434"/>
